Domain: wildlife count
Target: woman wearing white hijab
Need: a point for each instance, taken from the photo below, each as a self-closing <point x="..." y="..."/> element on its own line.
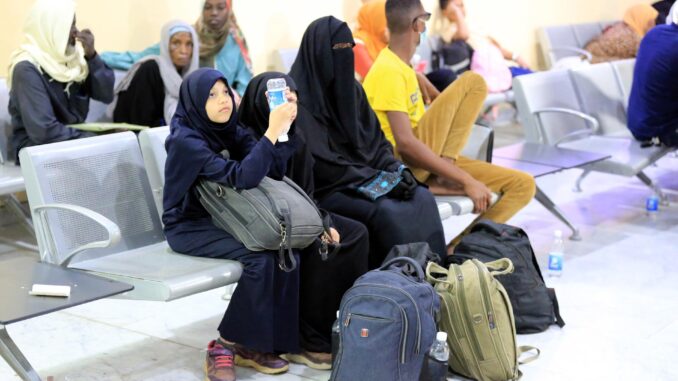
<point x="51" y="78"/>
<point x="149" y="93"/>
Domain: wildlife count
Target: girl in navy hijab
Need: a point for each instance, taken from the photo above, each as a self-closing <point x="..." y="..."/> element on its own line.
<point x="262" y="318"/>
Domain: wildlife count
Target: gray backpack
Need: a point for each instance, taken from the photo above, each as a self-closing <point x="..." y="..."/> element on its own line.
<point x="386" y="324"/>
<point x="275" y="215"/>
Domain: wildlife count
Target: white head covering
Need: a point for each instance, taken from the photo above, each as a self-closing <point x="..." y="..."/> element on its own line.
<point x="672" y="18"/>
<point x="46" y="33"/>
<point x="171" y="78"/>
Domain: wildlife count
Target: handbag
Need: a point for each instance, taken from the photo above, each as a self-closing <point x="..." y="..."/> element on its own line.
<point x="274" y="215"/>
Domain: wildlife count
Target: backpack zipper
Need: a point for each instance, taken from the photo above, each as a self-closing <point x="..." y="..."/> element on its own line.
<point x="432" y="291"/>
<point x="487" y="302"/>
<point x="416" y="308"/>
<point x="403" y="331"/>
<point x="467" y="314"/>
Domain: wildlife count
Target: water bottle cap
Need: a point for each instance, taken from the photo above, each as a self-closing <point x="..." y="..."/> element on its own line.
<point x="441" y="336"/>
<point x="558" y="233"/>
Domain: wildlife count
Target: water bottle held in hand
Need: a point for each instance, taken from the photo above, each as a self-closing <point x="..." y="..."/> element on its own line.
<point x="276" y="97"/>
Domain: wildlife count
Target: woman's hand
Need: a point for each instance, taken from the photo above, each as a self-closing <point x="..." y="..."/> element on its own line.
<point x="280" y="120"/>
<point x="333" y="236"/>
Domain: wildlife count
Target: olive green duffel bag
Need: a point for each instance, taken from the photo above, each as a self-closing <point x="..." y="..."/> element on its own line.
<point x="476" y="313"/>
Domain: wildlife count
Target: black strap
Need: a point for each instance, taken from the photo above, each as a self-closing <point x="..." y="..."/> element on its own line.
<point x="556" y="309"/>
<point x="284" y="243"/>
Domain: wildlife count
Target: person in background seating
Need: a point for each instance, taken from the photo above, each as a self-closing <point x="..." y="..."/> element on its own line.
<point x="149" y="93"/>
<point x="355" y="172"/>
<point x="621" y="40"/>
<point x="222" y="46"/>
<point x="323" y="280"/>
<point x="262" y="318"/>
<point x="430" y="141"/>
<point x="52" y="77"/>
<point x="663" y="8"/>
<point x="370" y="36"/>
<point x="653" y="104"/>
<point x="461" y="46"/>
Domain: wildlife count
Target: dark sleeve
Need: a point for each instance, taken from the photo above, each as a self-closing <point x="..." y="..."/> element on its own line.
<point x="243" y="174"/>
<point x="35" y="107"/>
<point x="143" y="101"/>
<point x="100" y="80"/>
<point x="281" y="151"/>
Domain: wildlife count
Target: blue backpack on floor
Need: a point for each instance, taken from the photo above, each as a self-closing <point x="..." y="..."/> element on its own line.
<point x="387" y="324"/>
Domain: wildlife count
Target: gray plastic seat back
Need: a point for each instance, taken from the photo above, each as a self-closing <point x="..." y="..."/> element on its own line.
<point x="623" y="70"/>
<point x="567" y="36"/>
<point x="601" y="95"/>
<point x="105" y="174"/>
<point x="546" y="89"/>
<point x="97" y="110"/>
<point x="152" y="142"/>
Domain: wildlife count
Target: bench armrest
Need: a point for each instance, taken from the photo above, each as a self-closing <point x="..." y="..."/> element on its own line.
<point x="43" y="230"/>
<point x="480" y="144"/>
<point x="593" y="122"/>
<point x="573" y="49"/>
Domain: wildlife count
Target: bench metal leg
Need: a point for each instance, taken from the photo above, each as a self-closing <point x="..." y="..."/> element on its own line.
<point x="11" y="353"/>
<point x="14" y="206"/>
<point x="663" y="198"/>
<point x="577" y="185"/>
<point x="551" y="207"/>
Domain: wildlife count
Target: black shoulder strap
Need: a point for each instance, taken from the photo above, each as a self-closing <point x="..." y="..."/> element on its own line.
<point x="556" y="308"/>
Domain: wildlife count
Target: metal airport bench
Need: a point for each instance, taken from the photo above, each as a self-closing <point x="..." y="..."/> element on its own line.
<point x="561" y="41"/>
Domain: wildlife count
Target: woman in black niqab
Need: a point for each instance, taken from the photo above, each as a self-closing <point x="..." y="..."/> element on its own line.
<point x="349" y="148"/>
<point x="323" y="283"/>
<point x="262" y="316"/>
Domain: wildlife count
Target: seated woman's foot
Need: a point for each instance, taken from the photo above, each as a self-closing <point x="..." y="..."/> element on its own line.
<point x="268" y="363"/>
<point x="315" y="360"/>
<point x="219" y="363"/>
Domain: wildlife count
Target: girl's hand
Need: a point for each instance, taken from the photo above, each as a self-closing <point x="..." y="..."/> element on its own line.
<point x="280" y="120"/>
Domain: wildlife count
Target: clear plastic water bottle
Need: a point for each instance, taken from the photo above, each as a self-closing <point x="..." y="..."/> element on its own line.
<point x="335" y="337"/>
<point x="652" y="206"/>
<point x="276" y="97"/>
<point x="556" y="254"/>
<point x="435" y="362"/>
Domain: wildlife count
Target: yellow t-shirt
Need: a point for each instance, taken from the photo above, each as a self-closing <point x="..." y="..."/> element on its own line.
<point x="391" y="85"/>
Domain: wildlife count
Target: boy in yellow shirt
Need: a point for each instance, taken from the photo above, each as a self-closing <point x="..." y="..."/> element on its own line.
<point x="430" y="141"/>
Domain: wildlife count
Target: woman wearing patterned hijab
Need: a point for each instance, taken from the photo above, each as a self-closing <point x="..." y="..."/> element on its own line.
<point x="222" y="46"/>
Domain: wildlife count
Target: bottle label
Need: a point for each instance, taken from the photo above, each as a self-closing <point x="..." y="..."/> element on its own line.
<point x="276" y="98"/>
<point x="555" y="262"/>
<point x="652" y="204"/>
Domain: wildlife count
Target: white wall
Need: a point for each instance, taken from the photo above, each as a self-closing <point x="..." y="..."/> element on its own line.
<point x="268" y="24"/>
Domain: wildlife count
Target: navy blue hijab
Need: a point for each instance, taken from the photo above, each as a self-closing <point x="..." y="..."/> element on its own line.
<point x="190" y="130"/>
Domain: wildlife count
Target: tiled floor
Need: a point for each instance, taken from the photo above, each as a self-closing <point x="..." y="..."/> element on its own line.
<point x="618" y="295"/>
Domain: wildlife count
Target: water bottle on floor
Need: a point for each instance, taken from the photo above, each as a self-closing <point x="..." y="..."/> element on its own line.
<point x="435" y="361"/>
<point x="556" y="255"/>
<point x="652" y="206"/>
<point x="276" y="97"/>
<point x="335" y="338"/>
